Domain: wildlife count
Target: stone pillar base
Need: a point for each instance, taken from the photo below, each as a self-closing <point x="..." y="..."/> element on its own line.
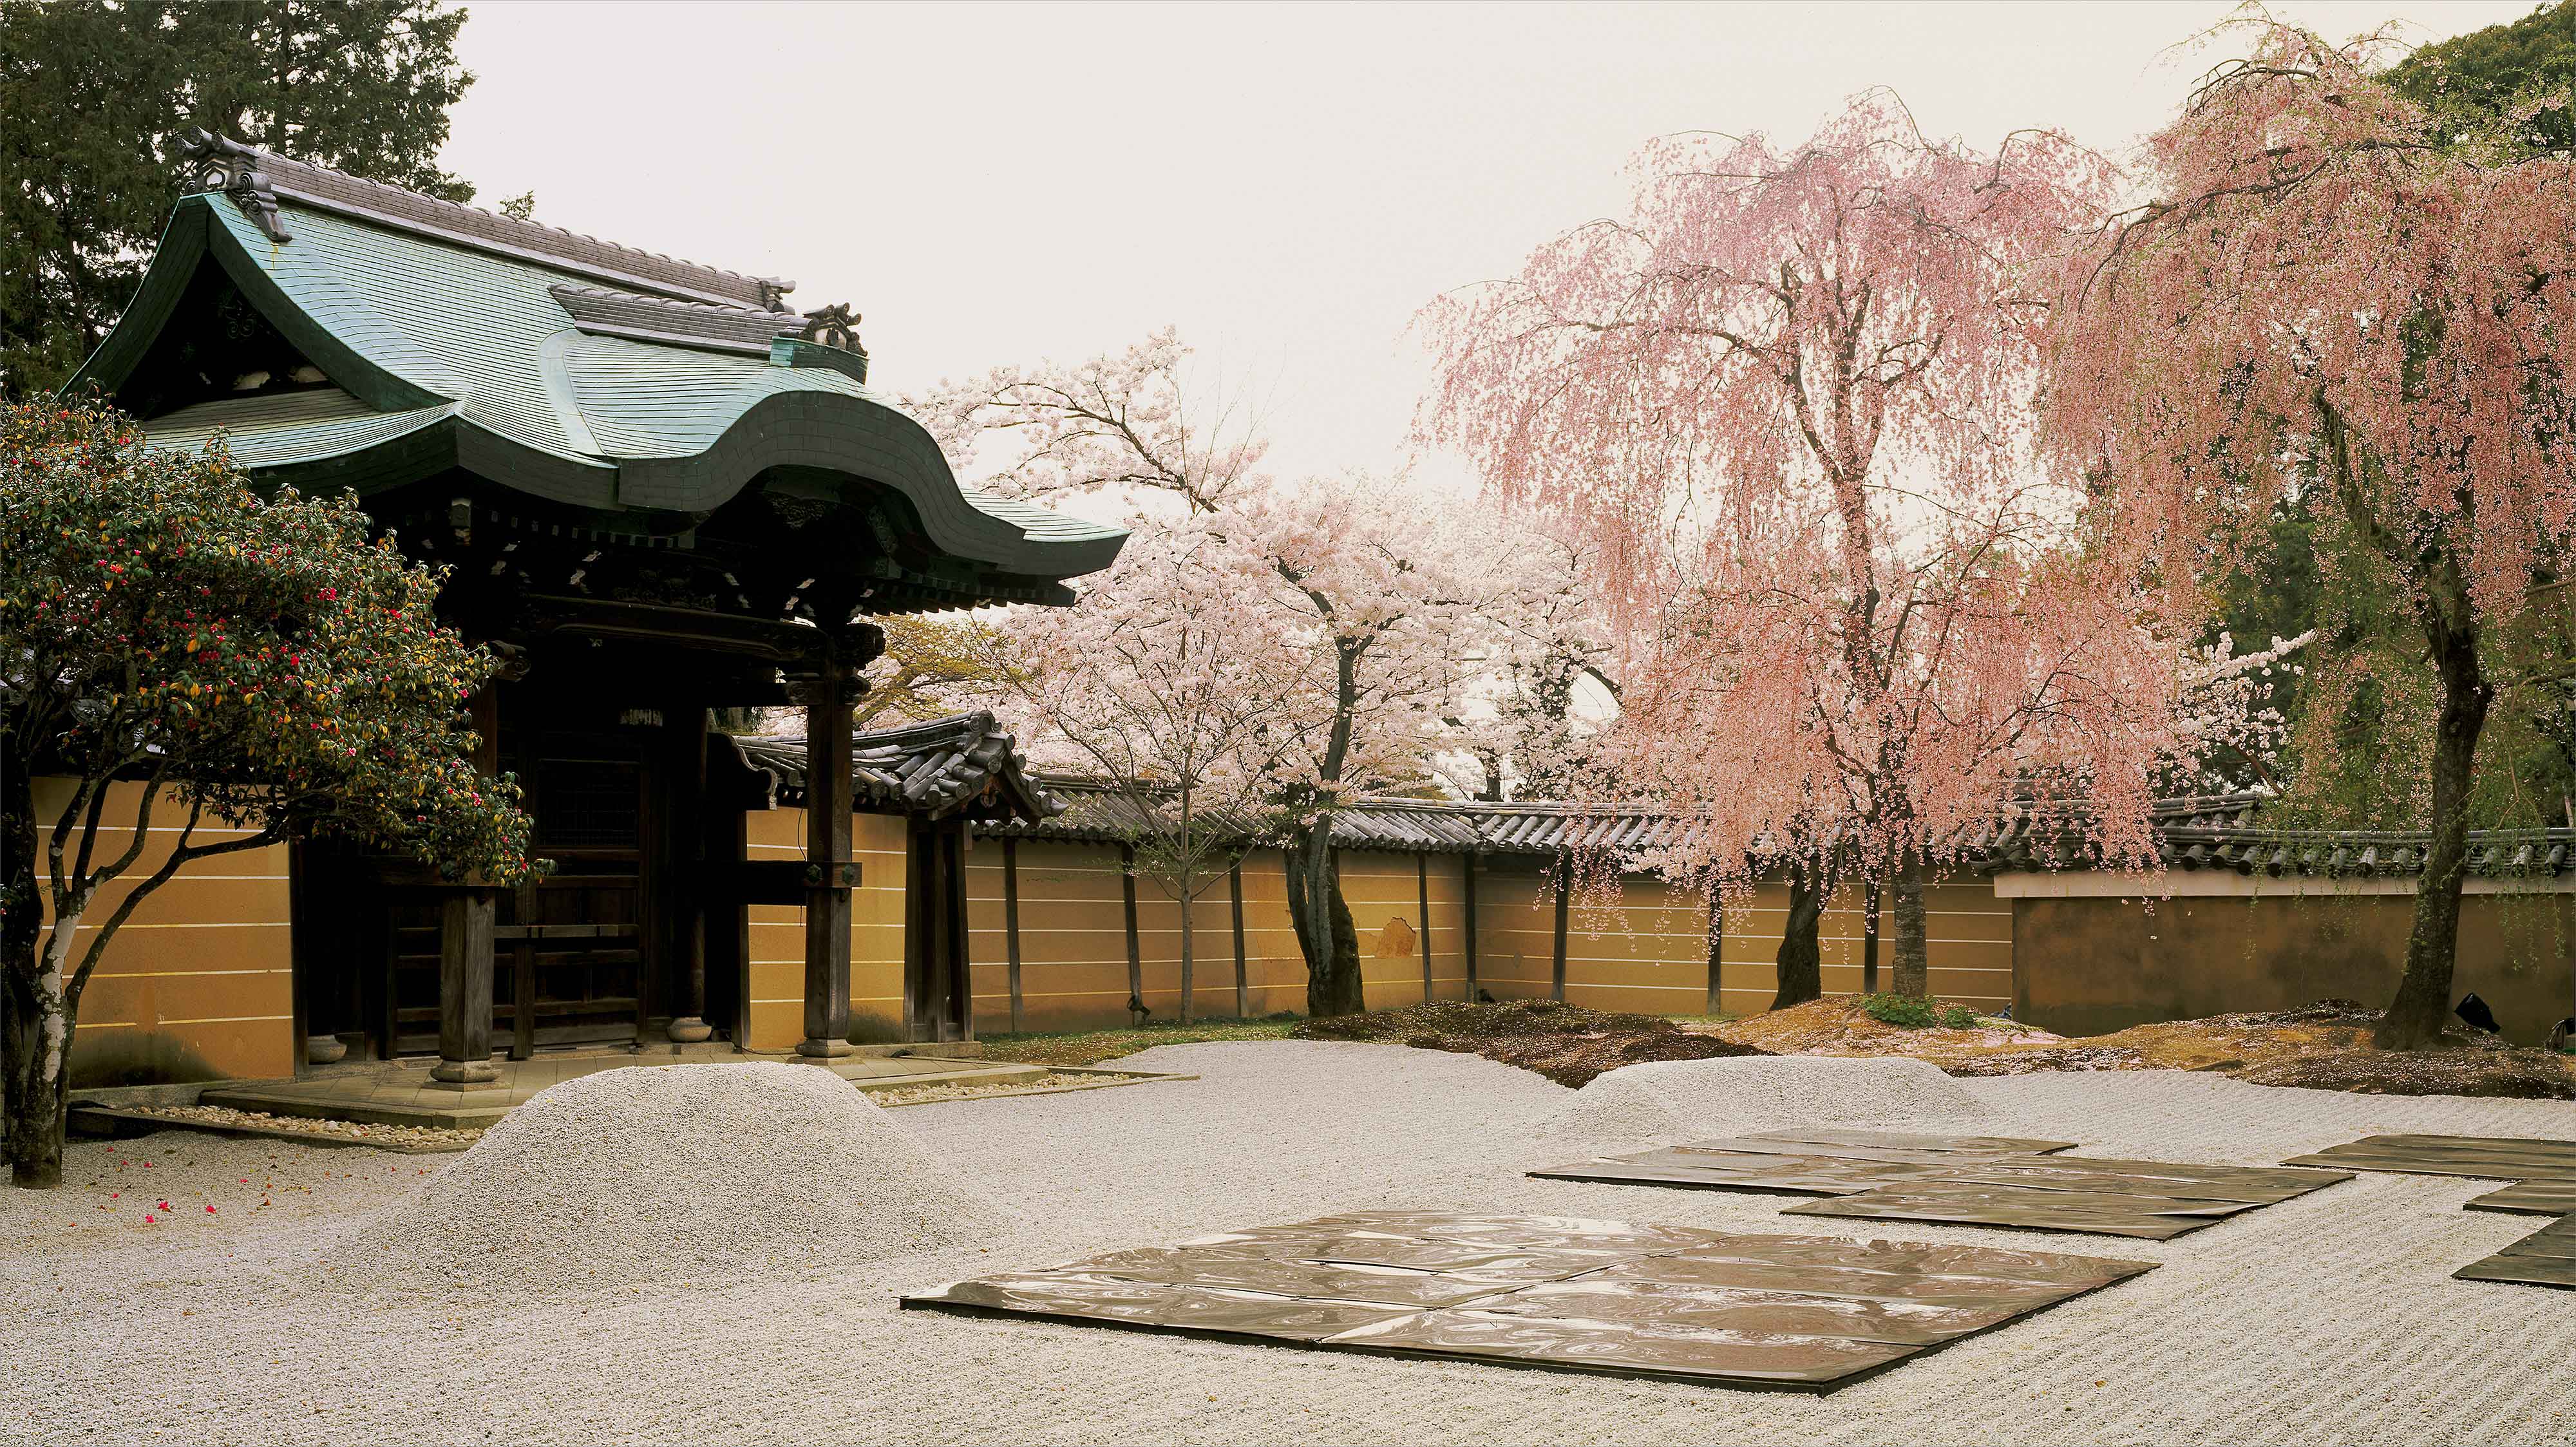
<point x="825" y="1049"/>
<point x="689" y="1030"/>
<point x="463" y="1073"/>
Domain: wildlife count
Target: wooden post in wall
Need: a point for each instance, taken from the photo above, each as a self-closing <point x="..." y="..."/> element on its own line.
<point x="1564" y="903"/>
<point x="1135" y="949"/>
<point x="957" y="1011"/>
<point x="1011" y="920"/>
<point x="1422" y="897"/>
<point x="1234" y="893"/>
<point x="1467" y="932"/>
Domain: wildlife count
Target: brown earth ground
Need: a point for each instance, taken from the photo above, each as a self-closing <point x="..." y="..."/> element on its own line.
<point x="2325" y="1046"/>
<point x="1566" y="1043"/>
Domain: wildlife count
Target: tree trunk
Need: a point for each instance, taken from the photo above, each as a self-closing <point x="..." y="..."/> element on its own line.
<point x="1801" y="960"/>
<point x="2414" y="1019"/>
<point x="38" y="1101"/>
<point x="1325" y="934"/>
<point x="1913" y="952"/>
<point x="31" y="1094"/>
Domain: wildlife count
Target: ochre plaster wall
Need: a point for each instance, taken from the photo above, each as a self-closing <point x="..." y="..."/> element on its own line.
<point x="2087" y="966"/>
<point x="199" y="984"/>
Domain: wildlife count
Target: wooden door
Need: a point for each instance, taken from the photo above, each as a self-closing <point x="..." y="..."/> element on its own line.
<point x="568" y="962"/>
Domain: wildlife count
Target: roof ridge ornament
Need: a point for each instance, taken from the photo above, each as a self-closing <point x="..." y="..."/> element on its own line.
<point x="834" y="326"/>
<point x="220" y="163"/>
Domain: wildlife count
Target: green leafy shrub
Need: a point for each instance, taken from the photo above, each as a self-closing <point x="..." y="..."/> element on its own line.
<point x="1906" y="1012"/>
<point x="1958" y="1017"/>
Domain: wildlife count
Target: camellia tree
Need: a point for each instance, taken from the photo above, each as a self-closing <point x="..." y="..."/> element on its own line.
<point x="2331" y="289"/>
<point x="201" y="670"/>
<point x="1788" y="398"/>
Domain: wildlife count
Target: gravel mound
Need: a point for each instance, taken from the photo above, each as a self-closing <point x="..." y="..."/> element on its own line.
<point x="1697" y="1099"/>
<point x="677" y="1172"/>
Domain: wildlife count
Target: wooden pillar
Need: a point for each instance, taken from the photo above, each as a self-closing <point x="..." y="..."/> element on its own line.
<point x="465" y="942"/>
<point x="1011" y="920"/>
<point x="523" y="979"/>
<point x="829" y="872"/>
<point x="465" y="989"/>
<point x="1467" y="932"/>
<point x="686" y="756"/>
<point x="1422" y="897"/>
<point x="1716" y="949"/>
<point x="727" y="919"/>
<point x="957" y="1018"/>
<point x="1234" y="893"/>
<point x="1564" y="903"/>
<point x="1135" y="949"/>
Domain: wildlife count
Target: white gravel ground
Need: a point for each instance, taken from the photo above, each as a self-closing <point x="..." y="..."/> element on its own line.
<point x="2330" y="1319"/>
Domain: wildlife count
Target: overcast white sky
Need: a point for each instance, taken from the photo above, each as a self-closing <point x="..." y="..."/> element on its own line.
<point x="1286" y="184"/>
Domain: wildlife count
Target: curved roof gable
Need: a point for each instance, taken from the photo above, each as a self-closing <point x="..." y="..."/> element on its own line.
<point x="590" y="374"/>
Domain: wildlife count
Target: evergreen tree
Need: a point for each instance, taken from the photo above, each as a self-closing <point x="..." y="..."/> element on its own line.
<point x="93" y="93"/>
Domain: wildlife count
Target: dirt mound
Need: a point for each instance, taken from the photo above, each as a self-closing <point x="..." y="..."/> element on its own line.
<point x="1837" y="1025"/>
<point x="2486" y="1067"/>
<point x="1568" y="1044"/>
<point x="1699" y="1099"/>
<point x="673" y="1172"/>
<point x="2328" y="1045"/>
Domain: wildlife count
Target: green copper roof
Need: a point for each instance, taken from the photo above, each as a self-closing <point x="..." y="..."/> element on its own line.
<point x="290" y="429"/>
<point x="448" y="349"/>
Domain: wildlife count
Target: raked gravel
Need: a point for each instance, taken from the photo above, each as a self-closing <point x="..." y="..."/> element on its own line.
<point x="1682" y="1100"/>
<point x="2328" y="1319"/>
<point x="700" y="1172"/>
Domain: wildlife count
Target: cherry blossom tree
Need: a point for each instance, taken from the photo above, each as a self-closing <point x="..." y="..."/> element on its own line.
<point x="1163" y="682"/>
<point x="1379" y="608"/>
<point x="1539" y="690"/>
<point x="2326" y="289"/>
<point x="1788" y="399"/>
<point x="1127" y="423"/>
<point x="1353" y="604"/>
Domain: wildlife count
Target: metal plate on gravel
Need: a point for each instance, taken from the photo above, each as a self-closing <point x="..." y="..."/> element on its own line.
<point x="2148" y="1200"/>
<point x="1800" y="1313"/>
<point x="2546" y="1257"/>
<point x="1798" y="1163"/>
<point x="2496" y="1157"/>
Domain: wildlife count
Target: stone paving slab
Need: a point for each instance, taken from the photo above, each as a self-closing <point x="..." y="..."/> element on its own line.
<point x="2546" y="1257"/>
<point x="2496" y="1157"/>
<point x="1814" y="1162"/>
<point x="2547" y="1196"/>
<point x="1780" y="1313"/>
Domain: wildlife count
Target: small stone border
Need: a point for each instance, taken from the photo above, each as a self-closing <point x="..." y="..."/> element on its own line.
<point x="1047" y="1084"/>
<point x="431" y="1140"/>
<point x="411" y="1140"/>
